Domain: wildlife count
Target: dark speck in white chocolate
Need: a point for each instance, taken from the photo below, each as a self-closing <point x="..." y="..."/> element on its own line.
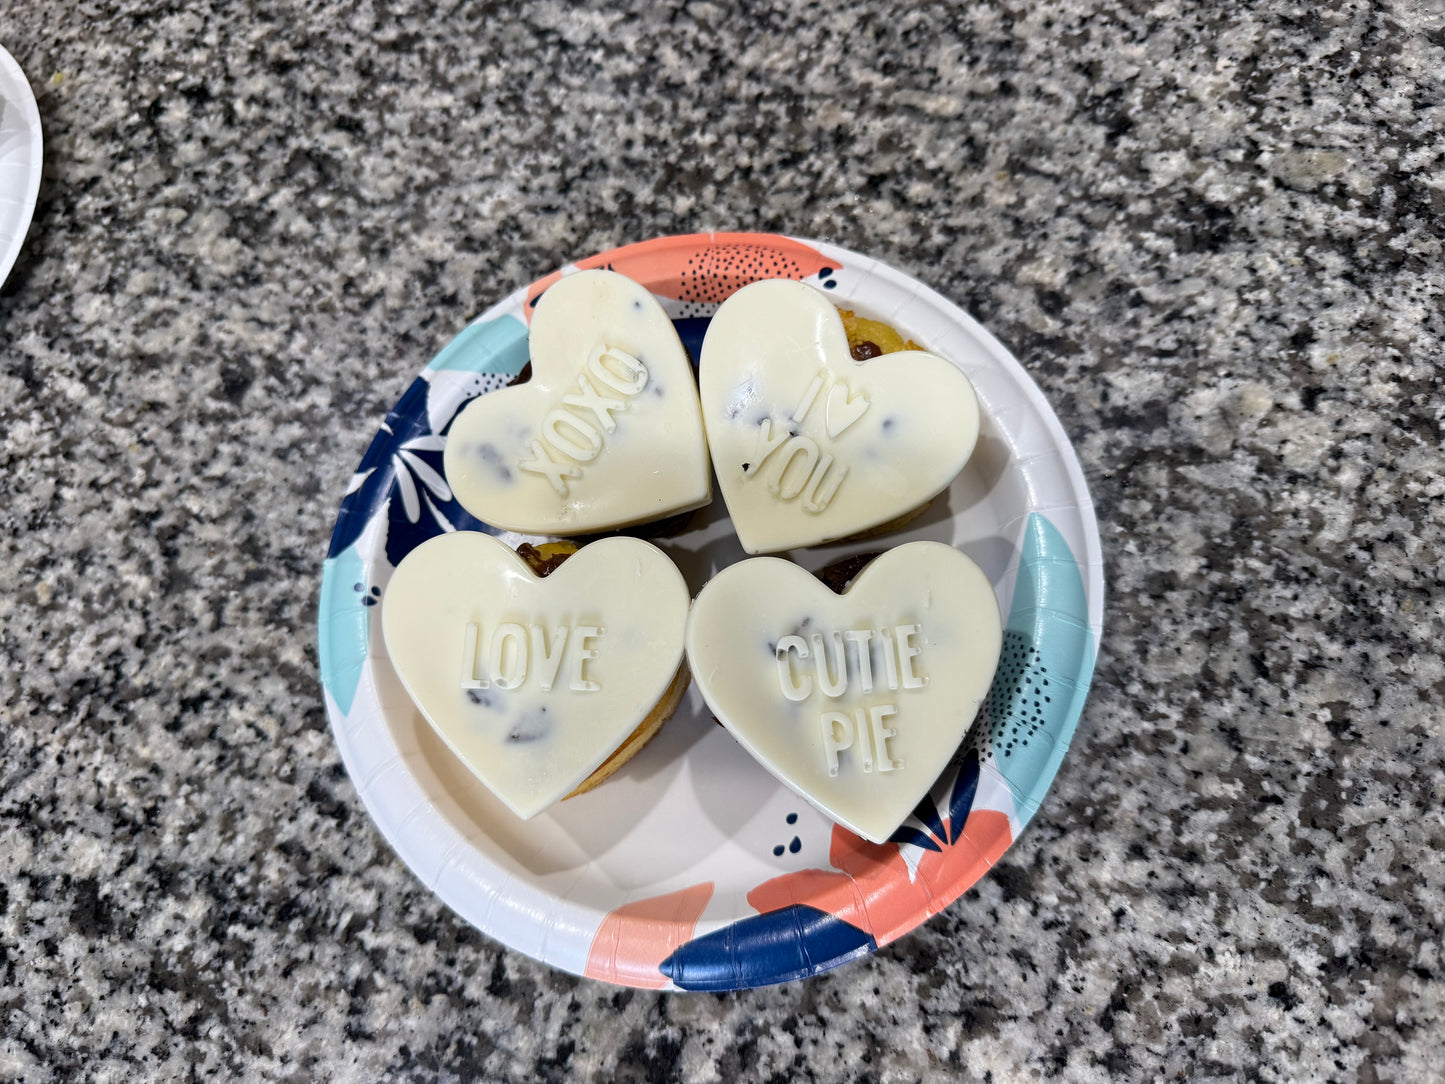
<point x="530" y="726"/>
<point x="488" y="454"/>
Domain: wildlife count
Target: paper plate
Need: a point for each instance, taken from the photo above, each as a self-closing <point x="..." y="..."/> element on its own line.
<point x="20" y="160"/>
<point x="694" y="868"/>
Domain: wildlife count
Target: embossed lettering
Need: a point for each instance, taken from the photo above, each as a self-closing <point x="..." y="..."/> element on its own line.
<point x="860" y="720"/>
<point x="835" y="670"/>
<point x="804" y="469"/>
<point x="470" y="680"/>
<point x="516" y="654"/>
<point x="508" y="667"/>
<point x="580" y="682"/>
<point x="860" y="639"/>
<point x="794" y="688"/>
<point x="864" y="732"/>
<point x="832" y="679"/>
<point x="767" y="445"/>
<point x="842" y="410"/>
<point x="555" y="473"/>
<point x="576" y="429"/>
<point x="881" y="734"/>
<point x="560" y="429"/>
<point x="600" y="405"/>
<point x="890" y="661"/>
<point x="806" y="402"/>
<point x="817" y="496"/>
<point x="551" y="660"/>
<point x="907" y="652"/>
<point x="838" y="734"/>
<point x="618" y="369"/>
<point x="796" y="446"/>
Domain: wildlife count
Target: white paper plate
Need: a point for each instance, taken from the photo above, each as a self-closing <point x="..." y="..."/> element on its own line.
<point x="693" y="867"/>
<point x="20" y="160"/>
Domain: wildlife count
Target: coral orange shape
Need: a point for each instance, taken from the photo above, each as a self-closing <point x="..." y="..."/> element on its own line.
<point x="870" y="888"/>
<point x="635" y="938"/>
<point x="701" y="267"/>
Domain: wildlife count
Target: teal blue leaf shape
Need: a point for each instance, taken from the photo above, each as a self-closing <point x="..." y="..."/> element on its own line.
<point x="496" y="346"/>
<point x="343" y="626"/>
<point x="1038" y="692"/>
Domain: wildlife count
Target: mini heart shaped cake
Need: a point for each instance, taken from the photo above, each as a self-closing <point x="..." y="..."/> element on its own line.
<point x="607" y="432"/>
<point x="810" y="445"/>
<point x="855" y="701"/>
<point x="535" y="683"/>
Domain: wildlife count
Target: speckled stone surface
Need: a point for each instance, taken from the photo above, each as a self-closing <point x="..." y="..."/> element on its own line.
<point x="1211" y="232"/>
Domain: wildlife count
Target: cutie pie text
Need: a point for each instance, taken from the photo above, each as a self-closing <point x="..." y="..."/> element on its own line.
<point x="848" y="664"/>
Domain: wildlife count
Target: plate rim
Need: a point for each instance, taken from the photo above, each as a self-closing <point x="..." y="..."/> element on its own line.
<point x="10" y="69"/>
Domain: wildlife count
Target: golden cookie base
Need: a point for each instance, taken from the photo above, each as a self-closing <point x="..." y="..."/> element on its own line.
<point x="645" y="732"/>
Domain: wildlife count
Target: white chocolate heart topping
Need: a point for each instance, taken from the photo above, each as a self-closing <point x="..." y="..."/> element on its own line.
<point x="534" y="682"/>
<point x="855" y="701"/>
<point x="810" y="445"/>
<point x="606" y="433"/>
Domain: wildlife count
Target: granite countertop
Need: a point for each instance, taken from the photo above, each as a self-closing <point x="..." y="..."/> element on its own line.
<point x="1211" y="234"/>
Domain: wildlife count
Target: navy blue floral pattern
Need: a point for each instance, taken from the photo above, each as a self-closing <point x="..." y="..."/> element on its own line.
<point x="402" y="471"/>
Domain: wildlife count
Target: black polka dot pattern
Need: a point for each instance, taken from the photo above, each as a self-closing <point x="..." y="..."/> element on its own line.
<point x="724" y="269"/>
<point x="1015" y="709"/>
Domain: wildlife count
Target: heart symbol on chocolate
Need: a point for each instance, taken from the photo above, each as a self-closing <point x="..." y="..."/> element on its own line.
<point x="607" y="432"/>
<point x="534" y="682"/>
<point x="855" y="701"/>
<point x="810" y="445"/>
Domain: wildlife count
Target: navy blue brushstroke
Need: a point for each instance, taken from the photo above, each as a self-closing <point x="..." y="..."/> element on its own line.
<point x="964" y="789"/>
<point x="691" y="331"/>
<point x="779" y="946"/>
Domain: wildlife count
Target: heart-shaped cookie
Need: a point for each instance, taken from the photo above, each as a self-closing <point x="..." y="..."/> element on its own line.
<point x="855" y="701"/>
<point x="606" y="433"/>
<point x="534" y="682"/>
<point x="810" y="445"/>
